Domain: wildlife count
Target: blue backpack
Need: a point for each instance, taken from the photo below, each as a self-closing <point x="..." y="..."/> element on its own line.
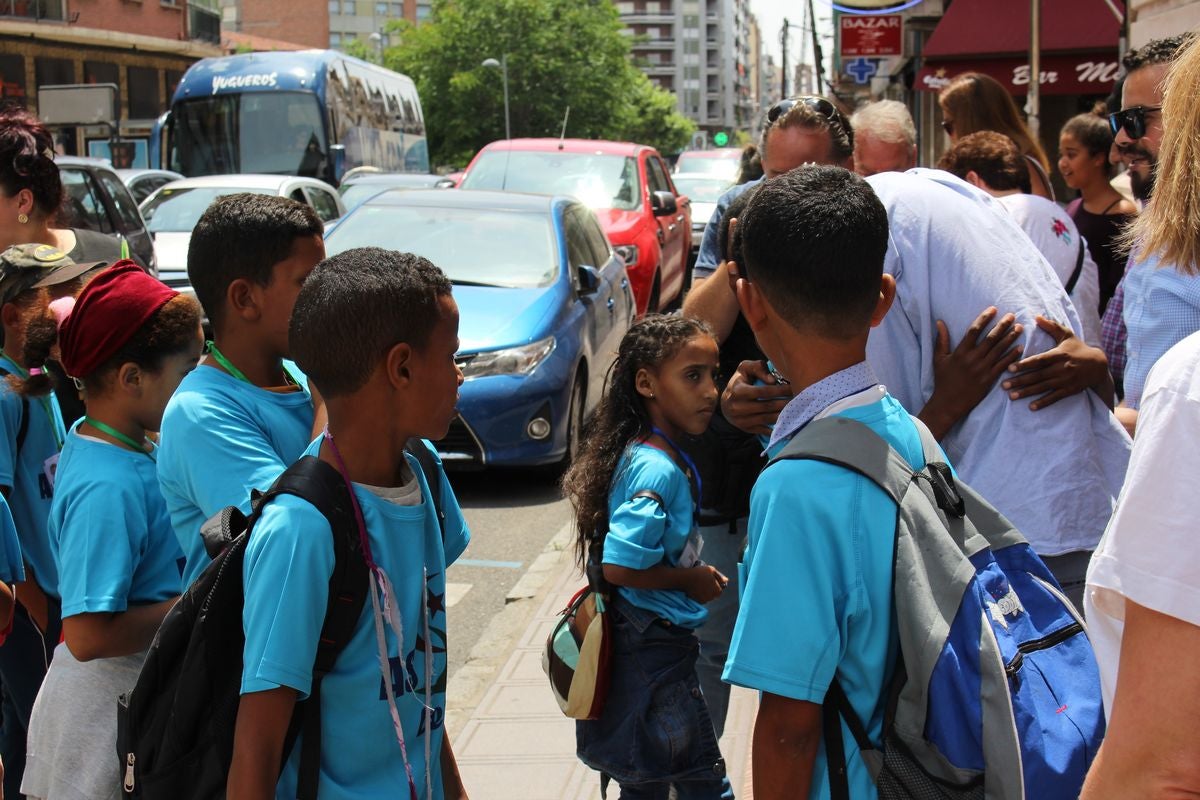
<point x="996" y="692"/>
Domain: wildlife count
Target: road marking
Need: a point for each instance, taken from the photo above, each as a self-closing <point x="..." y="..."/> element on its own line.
<point x="483" y="562"/>
<point x="456" y="592"/>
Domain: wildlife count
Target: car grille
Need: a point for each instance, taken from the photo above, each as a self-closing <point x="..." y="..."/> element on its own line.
<point x="459" y="446"/>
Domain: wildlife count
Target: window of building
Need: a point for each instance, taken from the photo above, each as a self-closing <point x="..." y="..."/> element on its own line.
<point x="397" y="9"/>
<point x="624" y="8"/>
<point x="54" y="71"/>
<point x="173" y="76"/>
<point x="101" y="72"/>
<point x="335" y="6"/>
<point x="424" y="11"/>
<point x="12" y="79"/>
<point x="382" y="9"/>
<point x="335" y="40"/>
<point x="144" y="102"/>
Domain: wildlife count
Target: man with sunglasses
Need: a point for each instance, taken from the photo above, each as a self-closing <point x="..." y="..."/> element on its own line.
<point x="1158" y="307"/>
<point x="797" y="130"/>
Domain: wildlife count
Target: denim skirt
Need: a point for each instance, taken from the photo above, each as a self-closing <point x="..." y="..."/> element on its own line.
<point x="655" y="726"/>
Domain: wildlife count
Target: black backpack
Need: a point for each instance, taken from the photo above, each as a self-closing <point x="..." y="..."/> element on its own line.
<point x="175" y="729"/>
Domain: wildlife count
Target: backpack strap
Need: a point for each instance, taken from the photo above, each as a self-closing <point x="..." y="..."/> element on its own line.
<point x="1074" y="279"/>
<point x="323" y="486"/>
<point x="836" y="708"/>
<point x="23" y="428"/>
<point x="850" y="444"/>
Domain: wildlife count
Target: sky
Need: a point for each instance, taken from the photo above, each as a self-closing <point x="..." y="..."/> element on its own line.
<point x="770" y="15"/>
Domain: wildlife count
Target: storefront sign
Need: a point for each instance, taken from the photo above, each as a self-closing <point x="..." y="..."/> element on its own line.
<point x="1084" y="74"/>
<point x="877" y="35"/>
<point x="871" y="6"/>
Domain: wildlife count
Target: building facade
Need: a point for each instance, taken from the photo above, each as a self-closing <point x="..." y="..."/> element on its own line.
<point x="703" y="51"/>
<point x="322" y="23"/>
<point x="141" y="48"/>
<point x="1154" y="19"/>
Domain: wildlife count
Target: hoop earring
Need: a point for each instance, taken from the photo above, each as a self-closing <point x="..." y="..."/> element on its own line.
<point x="23" y="218"/>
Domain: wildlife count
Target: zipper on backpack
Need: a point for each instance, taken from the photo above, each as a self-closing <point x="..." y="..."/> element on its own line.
<point x="1012" y="668"/>
<point x="130" y="760"/>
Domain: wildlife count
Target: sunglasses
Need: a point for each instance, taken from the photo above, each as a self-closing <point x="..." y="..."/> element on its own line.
<point x="818" y="104"/>
<point x="1131" y="120"/>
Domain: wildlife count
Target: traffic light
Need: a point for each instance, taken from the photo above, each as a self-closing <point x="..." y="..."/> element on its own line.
<point x="721" y="138"/>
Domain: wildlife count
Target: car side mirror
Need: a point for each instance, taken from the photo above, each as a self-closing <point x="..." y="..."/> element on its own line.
<point x="589" y="280"/>
<point x="663" y="203"/>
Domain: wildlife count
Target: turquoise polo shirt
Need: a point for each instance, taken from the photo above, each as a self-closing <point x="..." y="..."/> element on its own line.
<point x="817" y="584"/>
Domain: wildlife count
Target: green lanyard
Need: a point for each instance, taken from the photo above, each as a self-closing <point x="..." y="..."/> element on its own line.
<point x="220" y="358"/>
<point x="120" y="437"/>
<point x="45" y="401"/>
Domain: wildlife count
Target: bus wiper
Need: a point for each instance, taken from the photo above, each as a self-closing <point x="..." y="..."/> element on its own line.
<point x="459" y="282"/>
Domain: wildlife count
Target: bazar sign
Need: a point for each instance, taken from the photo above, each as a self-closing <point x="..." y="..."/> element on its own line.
<point x="1059" y="74"/>
<point x="878" y="35"/>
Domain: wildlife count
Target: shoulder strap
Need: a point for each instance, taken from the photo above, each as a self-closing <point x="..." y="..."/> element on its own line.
<point x="850" y="444"/>
<point x="433" y="479"/>
<point x="23" y="428"/>
<point x="835" y="709"/>
<point x="323" y="486"/>
<point x="1070" y="287"/>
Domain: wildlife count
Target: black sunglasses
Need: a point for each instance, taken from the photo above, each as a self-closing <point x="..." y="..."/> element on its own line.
<point x="1131" y="120"/>
<point x="818" y="104"/>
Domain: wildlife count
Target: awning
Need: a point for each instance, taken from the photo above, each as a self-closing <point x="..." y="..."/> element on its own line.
<point x="1079" y="45"/>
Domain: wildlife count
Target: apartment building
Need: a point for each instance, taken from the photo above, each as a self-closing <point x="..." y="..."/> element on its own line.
<point x="322" y="23"/>
<point x="700" y="50"/>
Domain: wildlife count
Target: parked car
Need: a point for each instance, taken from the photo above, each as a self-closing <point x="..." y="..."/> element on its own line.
<point x="627" y="185"/>
<point x="142" y="182"/>
<point x="722" y="162"/>
<point x="359" y="188"/>
<point x="543" y="301"/>
<point x="704" y="190"/>
<point x="95" y="198"/>
<point x="173" y="210"/>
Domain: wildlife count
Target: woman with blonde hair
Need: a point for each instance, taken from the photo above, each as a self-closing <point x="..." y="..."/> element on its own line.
<point x="973" y="102"/>
<point x="1143" y="590"/>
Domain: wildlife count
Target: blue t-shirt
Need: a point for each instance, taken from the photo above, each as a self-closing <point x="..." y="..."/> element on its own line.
<point x="30" y="473"/>
<point x="288" y="562"/>
<point x="109" y="531"/>
<point x="642" y="533"/>
<point x="1162" y="308"/>
<point x="817" y="587"/>
<point x="221" y="438"/>
<point x="12" y="568"/>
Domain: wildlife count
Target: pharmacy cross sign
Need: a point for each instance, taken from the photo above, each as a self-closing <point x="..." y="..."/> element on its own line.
<point x="861" y="69"/>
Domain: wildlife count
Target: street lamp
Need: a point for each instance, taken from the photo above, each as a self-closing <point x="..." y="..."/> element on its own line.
<point x="502" y="65"/>
<point x="377" y="38"/>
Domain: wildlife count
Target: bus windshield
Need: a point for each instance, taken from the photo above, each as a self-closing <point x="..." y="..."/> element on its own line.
<point x="277" y="133"/>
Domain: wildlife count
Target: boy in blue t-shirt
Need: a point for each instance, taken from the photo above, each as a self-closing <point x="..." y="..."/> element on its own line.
<point x="243" y="417"/>
<point x="377" y="331"/>
<point x="817" y="573"/>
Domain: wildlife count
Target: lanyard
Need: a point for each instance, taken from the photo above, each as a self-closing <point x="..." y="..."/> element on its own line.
<point x="45" y="401"/>
<point x="220" y="358"/>
<point x="691" y="465"/>
<point x="120" y="437"/>
<point x="387" y="613"/>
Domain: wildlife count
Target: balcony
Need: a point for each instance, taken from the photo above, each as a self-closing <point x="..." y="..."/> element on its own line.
<point x="654" y="44"/>
<point x="641" y="17"/>
<point x="53" y="10"/>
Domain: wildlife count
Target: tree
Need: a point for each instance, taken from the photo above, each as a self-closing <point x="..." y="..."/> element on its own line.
<point x="561" y="54"/>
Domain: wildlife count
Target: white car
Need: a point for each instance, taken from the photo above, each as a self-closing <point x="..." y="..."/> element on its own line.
<point x="174" y="209"/>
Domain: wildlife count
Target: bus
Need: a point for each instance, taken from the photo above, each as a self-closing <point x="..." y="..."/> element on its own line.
<point x="315" y="113"/>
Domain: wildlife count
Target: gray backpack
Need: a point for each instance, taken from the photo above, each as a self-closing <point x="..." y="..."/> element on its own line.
<point x="996" y="692"/>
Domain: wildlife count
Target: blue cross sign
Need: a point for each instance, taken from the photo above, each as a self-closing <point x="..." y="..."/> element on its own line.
<point x="862" y="69"/>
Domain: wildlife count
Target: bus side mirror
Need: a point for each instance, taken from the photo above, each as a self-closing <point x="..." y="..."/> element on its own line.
<point x="338" y="153"/>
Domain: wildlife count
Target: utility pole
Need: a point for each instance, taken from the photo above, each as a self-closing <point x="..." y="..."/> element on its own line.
<point x="817" y="56"/>
<point x="783" y="40"/>
<point x="1034" y="103"/>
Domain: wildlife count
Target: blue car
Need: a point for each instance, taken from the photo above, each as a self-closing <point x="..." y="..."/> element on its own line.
<point x="543" y="303"/>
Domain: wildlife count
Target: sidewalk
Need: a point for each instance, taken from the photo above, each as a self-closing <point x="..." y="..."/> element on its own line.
<point x="516" y="744"/>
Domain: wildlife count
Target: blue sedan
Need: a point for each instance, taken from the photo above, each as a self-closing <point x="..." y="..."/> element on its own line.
<point x="543" y="302"/>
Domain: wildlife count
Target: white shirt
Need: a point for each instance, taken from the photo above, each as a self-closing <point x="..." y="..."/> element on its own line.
<point x="1055" y="235"/>
<point x="1150" y="552"/>
<point x="1054" y="473"/>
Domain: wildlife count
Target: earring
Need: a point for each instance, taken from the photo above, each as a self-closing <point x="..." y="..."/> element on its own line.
<point x="23" y="218"/>
<point x="652" y="395"/>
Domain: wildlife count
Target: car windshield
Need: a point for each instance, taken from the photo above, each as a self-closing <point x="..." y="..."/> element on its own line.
<point x="472" y="246"/>
<point x="180" y="209"/>
<point x="355" y="194"/>
<point x="701" y="189"/>
<point x="600" y="181"/>
<point x="709" y="165"/>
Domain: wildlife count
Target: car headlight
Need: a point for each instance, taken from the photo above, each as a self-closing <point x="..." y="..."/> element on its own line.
<point x="628" y="253"/>
<point x="510" y="361"/>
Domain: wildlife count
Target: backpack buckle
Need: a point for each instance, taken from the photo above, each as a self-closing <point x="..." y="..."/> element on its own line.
<point x="945" y="491"/>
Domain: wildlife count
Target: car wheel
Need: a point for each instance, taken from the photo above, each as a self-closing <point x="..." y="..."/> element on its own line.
<point x="574" y="420"/>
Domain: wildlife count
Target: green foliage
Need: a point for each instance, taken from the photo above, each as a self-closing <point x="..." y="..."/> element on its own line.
<point x="561" y="53"/>
<point x="360" y="49"/>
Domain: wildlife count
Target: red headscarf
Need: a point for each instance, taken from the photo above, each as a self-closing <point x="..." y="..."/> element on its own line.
<point x="108" y="312"/>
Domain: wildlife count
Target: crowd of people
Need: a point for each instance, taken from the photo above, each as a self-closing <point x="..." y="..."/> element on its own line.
<point x="1051" y="353"/>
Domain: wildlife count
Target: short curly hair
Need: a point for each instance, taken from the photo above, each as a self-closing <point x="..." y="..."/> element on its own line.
<point x="1156" y="51"/>
<point x="992" y="156"/>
